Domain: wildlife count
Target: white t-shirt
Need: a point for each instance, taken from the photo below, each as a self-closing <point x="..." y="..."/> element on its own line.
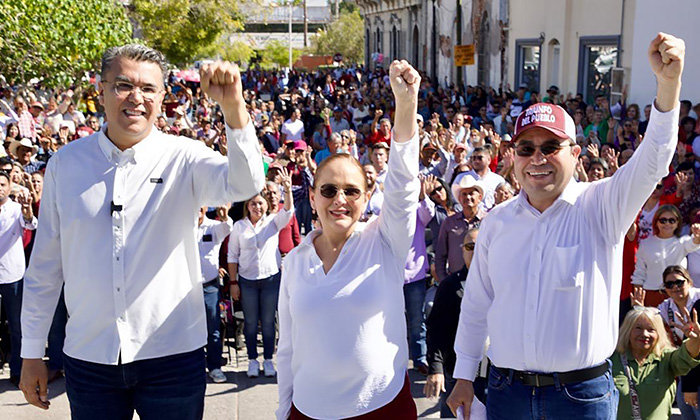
<point x="294" y="130"/>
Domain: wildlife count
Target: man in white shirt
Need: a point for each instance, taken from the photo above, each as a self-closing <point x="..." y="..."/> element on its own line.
<point x="338" y="122"/>
<point x="376" y="200"/>
<point x="379" y="158"/>
<point x="118" y="228"/>
<point x="13" y="218"/>
<point x="552" y="310"/>
<point x="480" y="161"/>
<point x="211" y="234"/>
<point x="293" y="128"/>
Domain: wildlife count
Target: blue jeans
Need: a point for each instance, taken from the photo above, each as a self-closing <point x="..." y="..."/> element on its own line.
<point x="259" y="303"/>
<point x="170" y="386"/>
<point x="214" y="347"/>
<point x="687" y="412"/>
<point x="509" y="398"/>
<point x="57" y="335"/>
<point x="11" y="303"/>
<point x="414" y="298"/>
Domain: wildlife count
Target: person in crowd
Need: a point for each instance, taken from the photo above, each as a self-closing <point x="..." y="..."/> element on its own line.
<point x="24" y="151"/>
<point x="448" y="248"/>
<point x="129" y="180"/>
<point x="254" y="260"/>
<point x="14" y="217"/>
<point x="442" y="329"/>
<point x="663" y="248"/>
<point x="289" y="236"/>
<point x="445" y="205"/>
<point x="379" y="157"/>
<point x="342" y="276"/>
<point x="376" y="198"/>
<point x="210" y="236"/>
<point x="293" y="128"/>
<point x="415" y="282"/>
<point x="645" y="363"/>
<point x="381" y="134"/>
<point x="504" y="192"/>
<point x="563" y="265"/>
<point x="338" y="123"/>
<point x="480" y="160"/>
<point x="302" y="168"/>
<point x="333" y="146"/>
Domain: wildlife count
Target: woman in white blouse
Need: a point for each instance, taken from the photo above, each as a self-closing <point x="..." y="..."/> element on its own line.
<point x="343" y="350"/>
<point x="253" y="255"/>
<point x="665" y="247"/>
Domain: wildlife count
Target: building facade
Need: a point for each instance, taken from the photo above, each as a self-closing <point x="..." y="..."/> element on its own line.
<point x="590" y="47"/>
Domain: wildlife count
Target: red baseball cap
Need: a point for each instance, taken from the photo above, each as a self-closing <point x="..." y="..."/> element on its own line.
<point x="552" y="118"/>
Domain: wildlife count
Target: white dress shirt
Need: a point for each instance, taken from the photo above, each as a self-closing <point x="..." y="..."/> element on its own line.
<point x="12" y="260"/>
<point x="132" y="275"/>
<point x="655" y="254"/>
<point x="255" y="248"/>
<point x="545" y="287"/>
<point x="294" y="130"/>
<point x="342" y="349"/>
<point x="210" y="235"/>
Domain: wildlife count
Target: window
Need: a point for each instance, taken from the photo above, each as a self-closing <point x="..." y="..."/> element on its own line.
<point x="527" y="64"/>
<point x="597" y="57"/>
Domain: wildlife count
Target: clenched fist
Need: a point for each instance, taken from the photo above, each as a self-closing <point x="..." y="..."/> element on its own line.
<point x="221" y="80"/>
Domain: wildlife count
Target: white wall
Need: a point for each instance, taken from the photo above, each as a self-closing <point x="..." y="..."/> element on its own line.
<point x="678" y="17"/>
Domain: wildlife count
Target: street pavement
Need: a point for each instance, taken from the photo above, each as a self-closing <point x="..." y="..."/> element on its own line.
<point x="240" y="398"/>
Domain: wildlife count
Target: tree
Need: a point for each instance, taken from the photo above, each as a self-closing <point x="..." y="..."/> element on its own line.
<point x="58" y="40"/>
<point x="277" y="52"/>
<point x="183" y="29"/>
<point x="345" y="36"/>
<point x="237" y="51"/>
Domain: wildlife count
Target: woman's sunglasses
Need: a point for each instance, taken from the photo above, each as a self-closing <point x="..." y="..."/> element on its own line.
<point x="469" y="246"/>
<point x="664" y="220"/>
<point x="672" y="284"/>
<point x="436" y="190"/>
<point x="330" y="191"/>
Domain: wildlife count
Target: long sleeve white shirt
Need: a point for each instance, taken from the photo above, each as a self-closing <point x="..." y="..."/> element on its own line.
<point x="342" y="349"/>
<point x="210" y="235"/>
<point x="12" y="222"/>
<point x="669" y="307"/>
<point x="255" y="248"/>
<point x="655" y="254"/>
<point x="132" y="276"/>
<point x="544" y="287"/>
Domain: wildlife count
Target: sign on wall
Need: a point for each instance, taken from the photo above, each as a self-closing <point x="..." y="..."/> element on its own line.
<point x="464" y="55"/>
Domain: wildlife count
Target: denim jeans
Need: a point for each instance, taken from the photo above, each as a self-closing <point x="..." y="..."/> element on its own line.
<point x="214" y="346"/>
<point x="166" y="387"/>
<point x="414" y="298"/>
<point x="259" y="303"/>
<point x="57" y="335"/>
<point x="11" y="303"/>
<point x="687" y="412"/>
<point x="509" y="398"/>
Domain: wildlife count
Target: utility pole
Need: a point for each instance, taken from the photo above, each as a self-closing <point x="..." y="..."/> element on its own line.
<point x="306" y="26"/>
<point x="460" y="70"/>
<point x="337" y="8"/>
<point x="290" y="34"/>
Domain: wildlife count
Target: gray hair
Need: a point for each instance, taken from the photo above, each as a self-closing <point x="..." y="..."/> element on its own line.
<point x="336" y="136"/>
<point x="507" y="186"/>
<point x="135" y="52"/>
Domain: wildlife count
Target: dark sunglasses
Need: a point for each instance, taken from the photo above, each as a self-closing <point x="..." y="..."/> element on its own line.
<point x="330" y="191"/>
<point x="469" y="246"/>
<point x="477" y="157"/>
<point x="436" y="190"/>
<point x="549" y="148"/>
<point x="672" y="284"/>
<point x="659" y="186"/>
<point x="670" y="220"/>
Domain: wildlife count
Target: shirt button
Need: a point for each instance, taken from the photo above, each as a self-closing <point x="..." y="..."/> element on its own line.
<point x="119" y="289"/>
<point x="117" y="258"/>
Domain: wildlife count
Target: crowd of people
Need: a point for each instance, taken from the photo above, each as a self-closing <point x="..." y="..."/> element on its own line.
<point x="343" y="122"/>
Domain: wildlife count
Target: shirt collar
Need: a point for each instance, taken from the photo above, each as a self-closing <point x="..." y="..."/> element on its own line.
<point x="569" y="195"/>
<point x="132" y="154"/>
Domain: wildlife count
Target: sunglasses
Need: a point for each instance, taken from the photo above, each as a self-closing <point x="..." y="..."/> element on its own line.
<point x="659" y="186"/>
<point x="469" y="246"/>
<point x="436" y="190"/>
<point x="672" y="284"/>
<point x="477" y="157"/>
<point x="549" y="148"/>
<point x="664" y="220"/>
<point x="331" y="191"/>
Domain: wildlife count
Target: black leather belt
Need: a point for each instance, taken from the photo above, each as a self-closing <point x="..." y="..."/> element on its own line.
<point x="214" y="282"/>
<point x="547" y="379"/>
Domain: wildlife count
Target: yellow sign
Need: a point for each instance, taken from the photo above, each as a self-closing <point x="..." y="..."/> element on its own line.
<point x="464" y="55"/>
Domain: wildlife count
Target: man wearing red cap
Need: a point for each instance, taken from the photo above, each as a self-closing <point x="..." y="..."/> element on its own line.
<point x="551" y="312"/>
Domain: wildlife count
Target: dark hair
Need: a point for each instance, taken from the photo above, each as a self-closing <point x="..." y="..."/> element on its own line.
<point x="135" y="52"/>
<point x="677" y="269"/>
<point x="339" y="156"/>
<point x="5" y="160"/>
<point x="5" y="174"/>
<point x="668" y="208"/>
<point x="449" y="201"/>
<point x="8" y="126"/>
<point x="684" y="166"/>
